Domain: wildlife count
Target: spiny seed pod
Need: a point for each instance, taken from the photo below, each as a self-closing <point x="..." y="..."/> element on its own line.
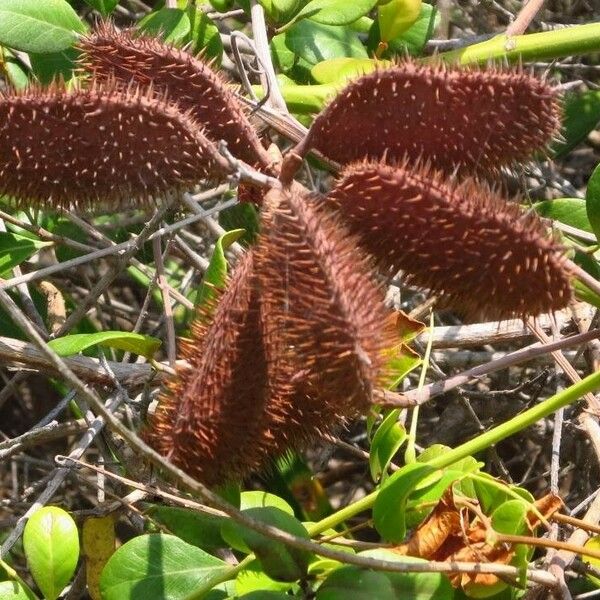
<point x="326" y="330"/>
<point x="475" y="120"/>
<point x="104" y="144"/>
<point x="482" y="254"/>
<point x="128" y="56"/>
<point x="211" y="421"/>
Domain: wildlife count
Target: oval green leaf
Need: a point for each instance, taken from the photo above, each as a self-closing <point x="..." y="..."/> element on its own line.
<point x="157" y="566"/>
<point x="231" y="531"/>
<point x="315" y="42"/>
<point x="570" y="211"/>
<point x="144" y="345"/>
<point x="335" y="12"/>
<point x="388" y="438"/>
<point x="592" y="201"/>
<point x="51" y="544"/>
<point x="38" y="25"/>
<point x="170" y="24"/>
<point x="389" y="510"/>
<point x="280" y="562"/>
<point x="396" y="17"/>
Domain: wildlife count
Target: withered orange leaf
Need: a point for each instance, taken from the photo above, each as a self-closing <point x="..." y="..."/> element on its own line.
<point x="105" y="144"/>
<point x="130" y="56"/>
<point x="455" y="117"/>
<point x="484" y="255"/>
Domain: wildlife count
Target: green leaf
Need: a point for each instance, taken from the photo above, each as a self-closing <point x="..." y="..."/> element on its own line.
<point x="54" y="65"/>
<point x="15" y="72"/>
<point x="388" y="438"/>
<point x="231" y="531"/>
<point x="253" y="579"/>
<point x="144" y="345"/>
<point x="389" y="510"/>
<point x="492" y="492"/>
<point x="343" y="68"/>
<point x="396" y="16"/>
<point x="280" y="11"/>
<point x="416" y="586"/>
<point x="157" y="566"/>
<point x="216" y="274"/>
<point x="15" y="249"/>
<point x="38" y="25"/>
<point x="335" y="12"/>
<point x="511" y="518"/>
<point x="413" y="39"/>
<point x="592" y="201"/>
<point x="194" y="527"/>
<point x="204" y="35"/>
<point x="280" y="562"/>
<point x="315" y="42"/>
<point x="170" y="24"/>
<point x="581" y="114"/>
<point x="12" y="590"/>
<point x="570" y="211"/>
<point x="358" y="584"/>
<point x="104" y="7"/>
<point x="51" y="545"/>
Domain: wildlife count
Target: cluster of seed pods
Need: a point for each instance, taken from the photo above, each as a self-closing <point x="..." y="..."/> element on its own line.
<point x="300" y="338"/>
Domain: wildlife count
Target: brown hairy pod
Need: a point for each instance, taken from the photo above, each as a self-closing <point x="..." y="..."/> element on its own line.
<point x="211" y="419"/>
<point x="453" y="117"/>
<point x="105" y="144"/>
<point x="129" y="56"/>
<point x="482" y="254"/>
<point x="326" y="329"/>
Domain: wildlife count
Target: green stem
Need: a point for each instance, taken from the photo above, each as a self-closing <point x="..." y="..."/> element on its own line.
<point x="548" y="45"/>
<point x="481" y="442"/>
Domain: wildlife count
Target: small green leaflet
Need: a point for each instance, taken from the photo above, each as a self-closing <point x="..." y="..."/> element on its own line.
<point x="144" y="345"/>
<point x="171" y="24"/>
<point x="388" y="438"/>
<point x="334" y="12"/>
<point x="216" y="274"/>
<point x="15" y="249"/>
